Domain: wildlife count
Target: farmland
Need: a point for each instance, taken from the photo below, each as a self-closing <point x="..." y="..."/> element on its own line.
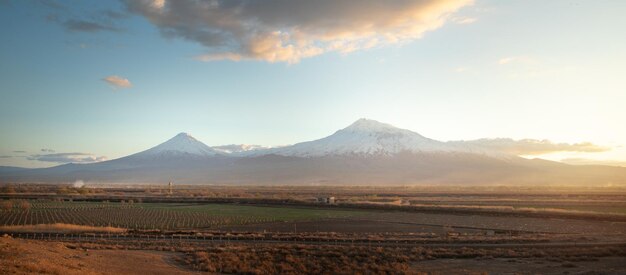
<point x="216" y="216"/>
<point x="261" y="229"/>
<point x="161" y="216"/>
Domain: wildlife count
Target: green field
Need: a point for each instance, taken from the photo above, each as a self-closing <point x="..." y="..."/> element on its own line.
<point x="162" y="215"/>
<point x="282" y="213"/>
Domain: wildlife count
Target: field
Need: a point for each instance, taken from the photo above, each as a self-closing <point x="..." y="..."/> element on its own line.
<point x="214" y="216"/>
<point x="262" y="230"/>
<point x="161" y="216"/>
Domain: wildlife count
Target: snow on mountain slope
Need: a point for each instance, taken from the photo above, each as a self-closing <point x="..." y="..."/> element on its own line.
<point x="238" y="148"/>
<point x="182" y="144"/>
<point x="369" y="137"/>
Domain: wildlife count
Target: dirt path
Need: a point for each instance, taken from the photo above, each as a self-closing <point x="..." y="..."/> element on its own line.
<point x="36" y="257"/>
<point x="133" y="262"/>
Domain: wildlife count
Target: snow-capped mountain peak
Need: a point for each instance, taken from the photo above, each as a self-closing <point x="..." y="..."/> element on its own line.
<point x="181" y="144"/>
<point x="381" y="130"/>
<point x="370" y="125"/>
<point x="364" y="137"/>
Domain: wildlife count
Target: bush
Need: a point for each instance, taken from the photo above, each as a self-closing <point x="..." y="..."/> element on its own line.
<point x="24" y="205"/>
<point x="6" y="205"/>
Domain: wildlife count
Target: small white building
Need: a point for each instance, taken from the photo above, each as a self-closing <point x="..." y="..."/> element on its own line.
<point x="326" y="200"/>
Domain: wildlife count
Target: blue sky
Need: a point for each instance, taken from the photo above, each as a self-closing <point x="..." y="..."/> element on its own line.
<point x="517" y="69"/>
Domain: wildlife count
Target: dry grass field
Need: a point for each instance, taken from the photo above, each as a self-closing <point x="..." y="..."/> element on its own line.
<point x="44" y="257"/>
<point x="50" y="257"/>
<point x="60" y="228"/>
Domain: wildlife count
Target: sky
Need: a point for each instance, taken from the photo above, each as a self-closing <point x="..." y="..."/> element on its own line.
<point x="86" y="81"/>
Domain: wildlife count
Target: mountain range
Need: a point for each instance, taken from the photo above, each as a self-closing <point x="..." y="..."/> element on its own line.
<point x="365" y="153"/>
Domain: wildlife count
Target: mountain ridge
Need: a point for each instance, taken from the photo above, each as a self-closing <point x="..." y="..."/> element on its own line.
<point x="365" y="152"/>
<point x="368" y="137"/>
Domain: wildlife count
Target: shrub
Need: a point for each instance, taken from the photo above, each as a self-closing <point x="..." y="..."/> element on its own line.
<point x="24" y="205"/>
<point x="6" y="205"/>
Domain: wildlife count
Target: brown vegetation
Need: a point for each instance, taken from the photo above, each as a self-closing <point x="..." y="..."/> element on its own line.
<point x="24" y="205"/>
<point x="344" y="259"/>
<point x="6" y="205"/>
<point x="60" y="228"/>
<point x="299" y="259"/>
<point x="38" y="257"/>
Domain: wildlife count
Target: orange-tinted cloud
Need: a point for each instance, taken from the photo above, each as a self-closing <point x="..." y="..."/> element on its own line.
<point x="584" y="161"/>
<point x="533" y="146"/>
<point x="463" y="20"/>
<point x="117" y="82"/>
<point x="289" y="30"/>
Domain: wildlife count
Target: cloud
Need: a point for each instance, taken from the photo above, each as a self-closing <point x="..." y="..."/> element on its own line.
<point x="115" y="14"/>
<point x="236" y="148"/>
<point x="524" y="66"/>
<point x="516" y="59"/>
<point x="52" y="4"/>
<point x="47" y="150"/>
<point x="584" y="161"/>
<point x="117" y="82"/>
<point x="290" y="30"/>
<point x="87" y="21"/>
<point x="533" y="146"/>
<point x="13" y="156"/>
<point x="157" y="4"/>
<point x="463" y="20"/>
<point x="87" y="26"/>
<point x="68" y="158"/>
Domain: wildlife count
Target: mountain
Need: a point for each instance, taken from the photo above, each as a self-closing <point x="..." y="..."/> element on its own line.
<point x="182" y="145"/>
<point x="367" y="137"/>
<point x="365" y="152"/>
<point x="11" y="169"/>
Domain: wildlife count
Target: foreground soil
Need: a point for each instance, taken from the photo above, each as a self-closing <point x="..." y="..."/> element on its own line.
<point x="607" y="265"/>
<point x="19" y="256"/>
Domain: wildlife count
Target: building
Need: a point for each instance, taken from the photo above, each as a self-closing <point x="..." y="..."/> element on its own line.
<point x="326" y="200"/>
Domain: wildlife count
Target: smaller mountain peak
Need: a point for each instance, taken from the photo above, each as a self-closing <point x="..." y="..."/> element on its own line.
<point x="184" y="135"/>
<point x="182" y="143"/>
<point x="364" y="121"/>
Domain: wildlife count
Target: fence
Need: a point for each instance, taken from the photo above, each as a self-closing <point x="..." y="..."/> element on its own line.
<point x="221" y="238"/>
